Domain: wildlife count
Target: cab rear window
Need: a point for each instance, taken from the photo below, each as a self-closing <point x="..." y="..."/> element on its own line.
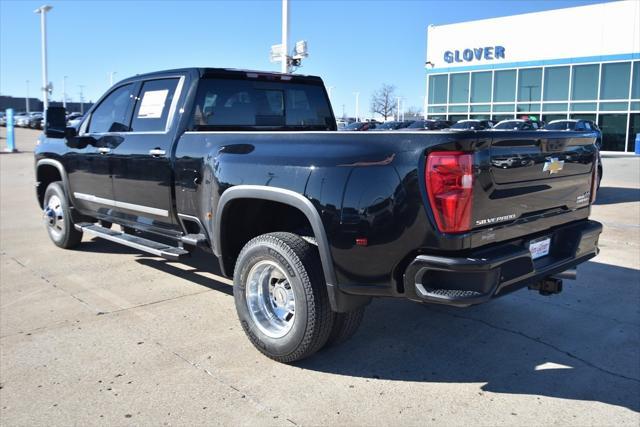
<point x="233" y="104"/>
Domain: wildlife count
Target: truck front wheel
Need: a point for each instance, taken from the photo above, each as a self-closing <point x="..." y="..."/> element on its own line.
<point x="281" y="296"/>
<point x="57" y="217"/>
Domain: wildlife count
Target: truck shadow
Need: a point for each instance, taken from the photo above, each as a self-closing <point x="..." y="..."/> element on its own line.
<point x="612" y="195"/>
<point x="565" y="347"/>
<point x="583" y="344"/>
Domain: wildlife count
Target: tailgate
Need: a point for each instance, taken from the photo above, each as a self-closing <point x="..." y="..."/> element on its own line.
<point x="530" y="174"/>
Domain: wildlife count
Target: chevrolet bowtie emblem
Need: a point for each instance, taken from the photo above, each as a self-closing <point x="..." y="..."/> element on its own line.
<point x="553" y="165"/>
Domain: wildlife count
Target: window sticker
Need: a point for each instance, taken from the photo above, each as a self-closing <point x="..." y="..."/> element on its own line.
<point x="152" y="104"/>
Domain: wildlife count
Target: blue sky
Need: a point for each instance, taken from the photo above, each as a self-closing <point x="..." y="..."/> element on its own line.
<point x="353" y="45"/>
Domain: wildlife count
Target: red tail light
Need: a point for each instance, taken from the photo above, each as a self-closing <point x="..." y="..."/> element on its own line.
<point x="449" y="179"/>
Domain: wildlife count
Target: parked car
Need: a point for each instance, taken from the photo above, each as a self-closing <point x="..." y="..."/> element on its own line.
<point x="473" y="125"/>
<point x="75" y="121"/>
<point x="21" y="119"/>
<point x="312" y="223"/>
<point x="341" y="123"/>
<point x="428" y="125"/>
<point x="577" y="125"/>
<point x="36" y="122"/>
<point x="360" y="126"/>
<point x="73" y="116"/>
<point x="580" y="125"/>
<point x="517" y="124"/>
<point x="393" y="125"/>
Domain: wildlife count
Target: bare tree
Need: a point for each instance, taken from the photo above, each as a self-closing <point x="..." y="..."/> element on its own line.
<point x="383" y="101"/>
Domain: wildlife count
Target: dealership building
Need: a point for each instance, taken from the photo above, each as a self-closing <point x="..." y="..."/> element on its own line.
<point x="577" y="63"/>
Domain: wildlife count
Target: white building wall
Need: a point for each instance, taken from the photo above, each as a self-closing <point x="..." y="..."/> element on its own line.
<point x="601" y="31"/>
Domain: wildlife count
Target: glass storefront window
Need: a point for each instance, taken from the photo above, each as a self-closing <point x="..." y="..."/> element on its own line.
<point x="499" y="117"/>
<point x="635" y="86"/>
<point x="615" y="81"/>
<point x="481" y="87"/>
<point x="556" y="83"/>
<point x="503" y="108"/>
<point x="528" y="107"/>
<point x="634" y="105"/>
<point x="591" y="117"/>
<point x="438" y="87"/>
<point x="459" y="88"/>
<point x="458" y="108"/>
<point x="563" y="106"/>
<point x="634" y="128"/>
<point x="529" y="84"/>
<point x="485" y="108"/>
<point x="504" y="86"/>
<point x="614" y="129"/>
<point x="441" y="109"/>
<point x="479" y="117"/>
<point x="614" y="106"/>
<point x="584" y="82"/>
<point x="583" y="106"/>
<point x="456" y="118"/>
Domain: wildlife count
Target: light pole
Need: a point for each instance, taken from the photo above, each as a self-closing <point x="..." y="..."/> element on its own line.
<point x="111" y="74"/>
<point x="398" y="109"/>
<point x="26" y="99"/>
<point x="64" y="92"/>
<point x="357" y="94"/>
<point x="42" y="10"/>
<point x="329" y="90"/>
<point x="81" y="100"/>
<point x="285" y="36"/>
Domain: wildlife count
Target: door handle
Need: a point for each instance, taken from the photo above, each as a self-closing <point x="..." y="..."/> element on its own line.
<point x="157" y="152"/>
<point x="104" y="150"/>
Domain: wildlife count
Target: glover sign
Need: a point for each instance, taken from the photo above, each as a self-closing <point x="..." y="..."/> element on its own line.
<point x="487" y="53"/>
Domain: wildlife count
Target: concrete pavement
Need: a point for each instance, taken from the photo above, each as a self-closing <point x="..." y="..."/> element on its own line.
<point x="107" y="335"/>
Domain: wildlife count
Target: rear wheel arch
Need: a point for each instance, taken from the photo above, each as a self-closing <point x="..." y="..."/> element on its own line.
<point x="280" y="196"/>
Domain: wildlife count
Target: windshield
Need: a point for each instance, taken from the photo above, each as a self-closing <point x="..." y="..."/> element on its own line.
<point x="388" y="125"/>
<point x="511" y="124"/>
<point x="465" y="125"/>
<point x="418" y="124"/>
<point x="257" y="104"/>
<point x="563" y="125"/>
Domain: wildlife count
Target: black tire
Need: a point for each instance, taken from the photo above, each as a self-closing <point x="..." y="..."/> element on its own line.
<point x="313" y="320"/>
<point x="58" y="217"/>
<point x="345" y="325"/>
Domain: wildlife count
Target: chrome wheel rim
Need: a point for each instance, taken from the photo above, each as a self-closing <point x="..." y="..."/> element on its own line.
<point x="270" y="299"/>
<point x="54" y="216"/>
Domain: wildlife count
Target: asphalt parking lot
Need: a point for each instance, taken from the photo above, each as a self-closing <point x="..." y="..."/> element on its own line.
<point x="107" y="335"/>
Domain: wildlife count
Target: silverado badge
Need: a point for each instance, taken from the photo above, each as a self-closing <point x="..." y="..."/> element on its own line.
<point x="553" y="165"/>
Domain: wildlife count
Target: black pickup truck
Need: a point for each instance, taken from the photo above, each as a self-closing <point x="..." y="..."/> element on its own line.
<point x="310" y="222"/>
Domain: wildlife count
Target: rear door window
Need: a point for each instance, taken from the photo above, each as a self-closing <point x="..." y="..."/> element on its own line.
<point x="153" y="105"/>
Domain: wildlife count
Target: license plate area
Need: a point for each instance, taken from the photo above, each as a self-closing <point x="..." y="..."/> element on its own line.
<point x="540" y="247"/>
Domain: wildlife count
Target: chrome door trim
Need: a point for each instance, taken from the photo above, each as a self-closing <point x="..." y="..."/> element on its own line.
<point x="124" y="205"/>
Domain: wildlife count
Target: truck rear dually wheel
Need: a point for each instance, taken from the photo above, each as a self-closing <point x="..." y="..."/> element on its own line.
<point x="281" y="296"/>
<point x="345" y="325"/>
<point x="57" y="217"/>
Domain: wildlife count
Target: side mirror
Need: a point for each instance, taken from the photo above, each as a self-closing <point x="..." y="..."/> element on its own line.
<point x="56" y="124"/>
